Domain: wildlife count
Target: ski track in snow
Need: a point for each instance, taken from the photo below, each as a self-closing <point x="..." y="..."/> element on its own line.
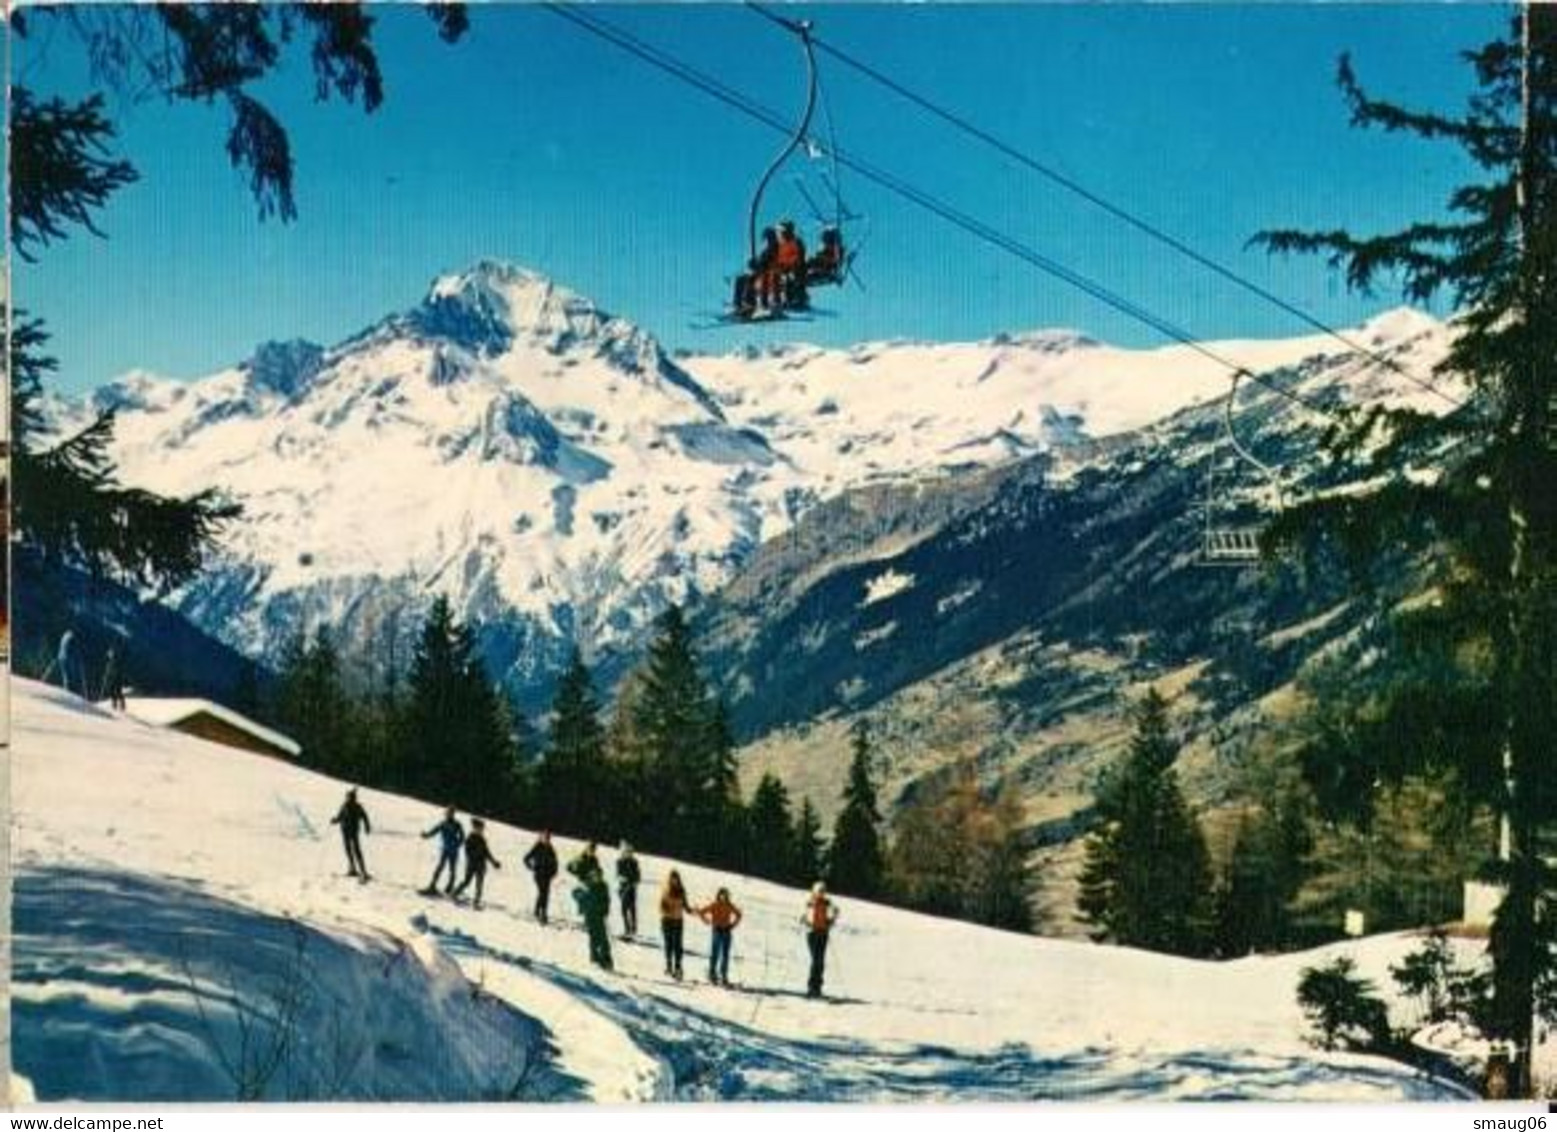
<point x="158" y="875"/>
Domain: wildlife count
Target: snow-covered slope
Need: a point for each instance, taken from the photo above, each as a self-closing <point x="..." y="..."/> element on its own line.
<point x="554" y="472"/>
<point x="166" y="888"/>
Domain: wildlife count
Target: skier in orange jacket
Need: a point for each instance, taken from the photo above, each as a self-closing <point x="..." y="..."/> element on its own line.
<point x="723" y="916"/>
<point x="789" y="268"/>
<point x="820" y="915"/>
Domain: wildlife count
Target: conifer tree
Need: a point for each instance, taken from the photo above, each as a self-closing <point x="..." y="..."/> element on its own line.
<point x="673" y="718"/>
<point x="514" y="762"/>
<point x="313" y="704"/>
<point x="1404" y="863"/>
<point x="635" y="794"/>
<point x="574" y="789"/>
<point x="717" y="802"/>
<point x="855" y="863"/>
<point x="1264" y="872"/>
<point x="1146" y="881"/>
<point x="769" y="837"/>
<point x="378" y="740"/>
<point x="1268" y="858"/>
<point x="1493" y="462"/>
<point x="462" y="752"/>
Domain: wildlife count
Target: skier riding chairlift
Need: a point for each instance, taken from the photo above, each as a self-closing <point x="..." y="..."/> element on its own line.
<point x="778" y="272"/>
<point x="826" y="267"/>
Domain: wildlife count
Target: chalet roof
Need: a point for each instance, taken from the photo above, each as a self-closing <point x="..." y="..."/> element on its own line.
<point x="170" y="712"/>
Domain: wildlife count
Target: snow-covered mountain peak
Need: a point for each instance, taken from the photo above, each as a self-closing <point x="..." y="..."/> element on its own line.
<point x="496" y="310"/>
<point x="513" y="301"/>
<point x="1055" y="341"/>
<point x="552" y="470"/>
<point x="135" y="389"/>
<point x="491" y="306"/>
<point x="1397" y="325"/>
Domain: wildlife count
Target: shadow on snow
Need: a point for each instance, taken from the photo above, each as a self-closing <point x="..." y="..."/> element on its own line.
<point x="135" y="987"/>
<point x="715" y="1058"/>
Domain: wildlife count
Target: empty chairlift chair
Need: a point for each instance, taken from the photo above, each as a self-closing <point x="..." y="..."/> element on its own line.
<point x="1231" y="536"/>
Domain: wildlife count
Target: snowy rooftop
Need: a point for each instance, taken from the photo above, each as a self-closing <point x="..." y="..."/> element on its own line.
<point x="171" y="712"/>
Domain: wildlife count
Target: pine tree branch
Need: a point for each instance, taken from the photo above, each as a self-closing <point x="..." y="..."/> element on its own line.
<point x="29" y="365"/>
<point x="1368" y="111"/>
<point x="61" y="171"/>
<point x="1363" y="260"/>
<point x="453" y="20"/>
<point x="343" y="57"/>
<point x="258" y="143"/>
<point x="207" y="52"/>
<point x="68" y="503"/>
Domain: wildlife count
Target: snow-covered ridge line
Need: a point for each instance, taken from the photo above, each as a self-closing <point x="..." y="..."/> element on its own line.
<point x="553" y="471"/>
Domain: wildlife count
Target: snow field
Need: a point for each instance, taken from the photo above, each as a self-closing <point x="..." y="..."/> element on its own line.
<point x="147" y="861"/>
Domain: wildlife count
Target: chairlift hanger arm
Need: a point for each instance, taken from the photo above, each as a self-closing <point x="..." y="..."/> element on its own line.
<point x="801" y="28"/>
<point x="1249" y="457"/>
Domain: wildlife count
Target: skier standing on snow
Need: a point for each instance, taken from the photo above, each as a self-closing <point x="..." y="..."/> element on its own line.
<point x="351" y="818"/>
<point x="65" y="660"/>
<point x="724" y="917"/>
<point x="477" y="858"/>
<point x="113" y="678"/>
<point x="593" y="900"/>
<point x="673" y="915"/>
<point x="820" y="916"/>
<point x="627" y="878"/>
<point x="586" y="862"/>
<point x="451" y="835"/>
<point x="541" y="860"/>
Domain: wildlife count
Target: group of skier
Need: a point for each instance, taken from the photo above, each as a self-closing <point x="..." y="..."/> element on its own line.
<point x="478" y="855"/>
<point x="592" y="895"/>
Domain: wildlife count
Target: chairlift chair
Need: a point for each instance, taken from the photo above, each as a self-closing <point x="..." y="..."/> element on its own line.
<point x="1225" y="542"/>
<point x="745" y="307"/>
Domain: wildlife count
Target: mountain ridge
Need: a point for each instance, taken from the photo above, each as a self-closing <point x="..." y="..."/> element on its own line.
<point x="561" y="477"/>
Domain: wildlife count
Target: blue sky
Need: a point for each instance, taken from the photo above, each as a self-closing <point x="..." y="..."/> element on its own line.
<point x="533" y="142"/>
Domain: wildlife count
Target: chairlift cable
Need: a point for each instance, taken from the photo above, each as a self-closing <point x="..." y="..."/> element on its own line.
<point x="684" y="72"/>
<point x="1116" y="211"/>
<point x="834" y="182"/>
